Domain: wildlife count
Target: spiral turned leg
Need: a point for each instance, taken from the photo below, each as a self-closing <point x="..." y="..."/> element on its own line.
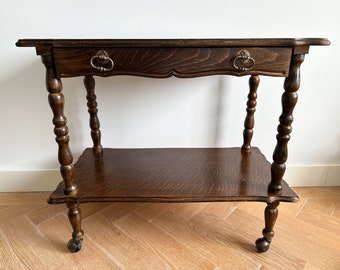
<point x="270" y="216"/>
<point x="75" y="244"/>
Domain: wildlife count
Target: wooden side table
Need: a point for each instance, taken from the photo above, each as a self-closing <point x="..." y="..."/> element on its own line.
<point x="172" y="174"/>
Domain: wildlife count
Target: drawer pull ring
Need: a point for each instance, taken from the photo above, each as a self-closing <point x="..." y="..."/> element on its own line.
<point x="243" y="61"/>
<point x="102" y="62"/>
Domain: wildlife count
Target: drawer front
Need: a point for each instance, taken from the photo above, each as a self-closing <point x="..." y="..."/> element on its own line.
<point x="166" y="62"/>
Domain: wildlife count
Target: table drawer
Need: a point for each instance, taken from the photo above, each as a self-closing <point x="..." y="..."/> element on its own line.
<point x="165" y="62"/>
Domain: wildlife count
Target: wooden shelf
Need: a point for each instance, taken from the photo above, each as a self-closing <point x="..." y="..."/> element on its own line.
<point x="172" y="175"/>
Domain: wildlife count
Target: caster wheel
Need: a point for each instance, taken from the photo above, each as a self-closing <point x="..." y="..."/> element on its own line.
<point x="262" y="244"/>
<point x="74" y="246"/>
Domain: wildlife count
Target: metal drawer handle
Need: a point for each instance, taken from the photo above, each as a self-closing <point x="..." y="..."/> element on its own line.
<point x="243" y="61"/>
<point x="102" y="62"/>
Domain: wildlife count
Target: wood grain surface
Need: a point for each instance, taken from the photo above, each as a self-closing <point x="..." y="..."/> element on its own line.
<point x="166" y="62"/>
<point x="173" y="175"/>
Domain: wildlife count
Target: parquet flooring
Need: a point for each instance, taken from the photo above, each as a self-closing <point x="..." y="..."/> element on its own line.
<point x="33" y="235"/>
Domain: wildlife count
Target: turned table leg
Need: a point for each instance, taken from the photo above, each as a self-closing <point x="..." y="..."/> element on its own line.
<point x="74" y="215"/>
<point x="89" y="83"/>
<point x="251" y="108"/>
<point x="289" y="99"/>
<point x="56" y="101"/>
<point x="270" y="216"/>
<point x="280" y="155"/>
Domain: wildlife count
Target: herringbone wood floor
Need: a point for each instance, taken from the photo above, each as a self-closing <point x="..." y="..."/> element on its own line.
<point x="33" y="235"/>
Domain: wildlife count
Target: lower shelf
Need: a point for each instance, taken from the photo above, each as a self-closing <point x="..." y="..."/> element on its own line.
<point x="172" y="175"/>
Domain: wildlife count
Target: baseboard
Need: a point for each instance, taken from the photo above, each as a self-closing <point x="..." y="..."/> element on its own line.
<point x="47" y="180"/>
<point x="29" y="181"/>
<point x="323" y="175"/>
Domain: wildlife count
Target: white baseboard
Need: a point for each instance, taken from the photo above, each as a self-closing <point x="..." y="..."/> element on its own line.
<point x="47" y="180"/>
<point x="29" y="181"/>
<point x="302" y="176"/>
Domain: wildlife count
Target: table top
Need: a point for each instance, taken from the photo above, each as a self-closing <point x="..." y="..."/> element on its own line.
<point x="261" y="42"/>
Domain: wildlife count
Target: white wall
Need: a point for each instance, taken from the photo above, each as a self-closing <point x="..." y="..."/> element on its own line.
<point x="200" y="112"/>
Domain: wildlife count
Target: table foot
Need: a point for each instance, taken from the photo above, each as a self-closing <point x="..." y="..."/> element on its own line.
<point x="262" y="244"/>
<point x="74" y="245"/>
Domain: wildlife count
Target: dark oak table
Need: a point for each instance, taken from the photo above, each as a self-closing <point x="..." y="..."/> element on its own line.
<point x="172" y="174"/>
